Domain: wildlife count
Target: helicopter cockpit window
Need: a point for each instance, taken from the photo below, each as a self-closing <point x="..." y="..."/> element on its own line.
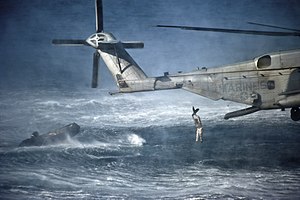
<point x="264" y="62"/>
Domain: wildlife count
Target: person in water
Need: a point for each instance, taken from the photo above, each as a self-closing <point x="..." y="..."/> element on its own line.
<point x="35" y="134"/>
<point x="198" y="125"/>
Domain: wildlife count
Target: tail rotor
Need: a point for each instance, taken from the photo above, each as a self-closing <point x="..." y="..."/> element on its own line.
<point x="112" y="51"/>
<point x="80" y="42"/>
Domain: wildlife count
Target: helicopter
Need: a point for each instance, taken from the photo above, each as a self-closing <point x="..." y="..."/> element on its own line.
<point x="269" y="81"/>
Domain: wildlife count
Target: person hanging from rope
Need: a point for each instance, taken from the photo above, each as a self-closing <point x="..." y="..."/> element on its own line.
<point x="198" y="125"/>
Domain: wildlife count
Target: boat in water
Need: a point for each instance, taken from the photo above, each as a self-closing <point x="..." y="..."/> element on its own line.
<point x="53" y="137"/>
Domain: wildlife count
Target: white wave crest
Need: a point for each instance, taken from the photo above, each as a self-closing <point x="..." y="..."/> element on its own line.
<point x="136" y="140"/>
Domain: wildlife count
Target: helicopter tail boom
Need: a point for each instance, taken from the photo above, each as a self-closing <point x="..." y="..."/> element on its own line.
<point x="127" y="74"/>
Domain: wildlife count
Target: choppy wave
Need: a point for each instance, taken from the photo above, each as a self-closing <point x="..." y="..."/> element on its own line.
<point x="139" y="146"/>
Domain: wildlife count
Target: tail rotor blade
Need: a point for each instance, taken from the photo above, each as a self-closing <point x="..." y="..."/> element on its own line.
<point x="69" y="42"/>
<point x="99" y="16"/>
<point x="95" y="69"/>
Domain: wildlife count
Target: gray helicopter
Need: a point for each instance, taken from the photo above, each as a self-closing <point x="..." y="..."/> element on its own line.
<point x="270" y="81"/>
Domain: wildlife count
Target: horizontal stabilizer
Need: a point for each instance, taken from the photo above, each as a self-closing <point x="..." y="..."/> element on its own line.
<point x="242" y="112"/>
<point x="69" y="42"/>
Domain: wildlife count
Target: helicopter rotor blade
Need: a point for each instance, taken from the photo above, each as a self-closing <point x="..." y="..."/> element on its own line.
<point x="272" y="26"/>
<point x="99" y="16"/>
<point x="95" y="69"/>
<point x="238" y="31"/>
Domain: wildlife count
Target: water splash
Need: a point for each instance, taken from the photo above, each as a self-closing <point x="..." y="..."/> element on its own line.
<point x="136" y="140"/>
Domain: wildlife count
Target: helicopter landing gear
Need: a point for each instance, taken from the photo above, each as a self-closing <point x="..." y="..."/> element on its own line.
<point x="295" y="114"/>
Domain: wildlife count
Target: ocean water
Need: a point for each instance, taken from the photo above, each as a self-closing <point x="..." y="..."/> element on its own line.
<point x="142" y="146"/>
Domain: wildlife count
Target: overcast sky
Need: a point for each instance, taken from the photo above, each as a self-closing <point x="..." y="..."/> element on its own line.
<point x="28" y="59"/>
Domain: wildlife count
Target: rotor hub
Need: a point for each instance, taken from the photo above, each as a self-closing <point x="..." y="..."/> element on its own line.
<point x="97" y="39"/>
